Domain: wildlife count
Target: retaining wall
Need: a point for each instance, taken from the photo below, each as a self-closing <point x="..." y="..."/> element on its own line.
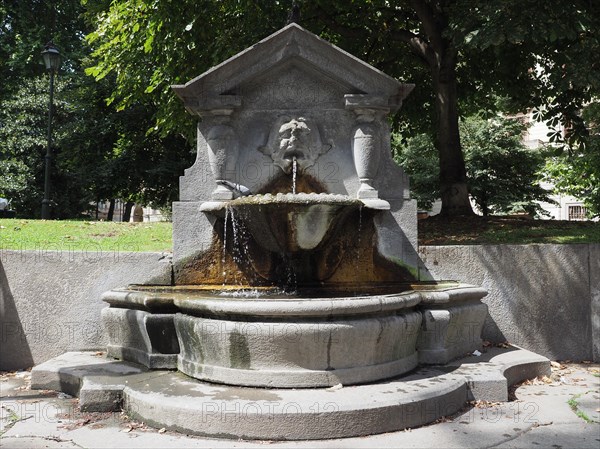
<point x="545" y="298"/>
<point x="50" y="300"/>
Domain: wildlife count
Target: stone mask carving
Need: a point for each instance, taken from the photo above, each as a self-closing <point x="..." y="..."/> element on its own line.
<point x="294" y="138"/>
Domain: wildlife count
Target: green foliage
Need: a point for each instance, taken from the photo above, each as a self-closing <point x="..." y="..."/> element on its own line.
<point x="419" y="159"/>
<point x="23" y="124"/>
<point x="141" y="47"/>
<point x="502" y="172"/>
<point x="98" y="153"/>
<point x="13" y="179"/>
<point x="552" y="41"/>
<point x="577" y="172"/>
<point x="148" y="45"/>
<point x="26" y="26"/>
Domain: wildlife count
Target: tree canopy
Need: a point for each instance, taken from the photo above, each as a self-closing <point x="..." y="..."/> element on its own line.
<point x="577" y="172"/>
<point x="99" y="153"/>
<point x="504" y="175"/>
<point x="461" y="54"/>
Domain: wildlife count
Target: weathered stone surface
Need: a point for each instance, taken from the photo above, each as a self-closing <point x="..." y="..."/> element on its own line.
<point x="192" y="233"/>
<point x="450" y="332"/>
<point x="539" y="295"/>
<point x="594" y="270"/>
<point x="294" y="99"/>
<point x="81" y="328"/>
<point x="290" y="354"/>
<point x="177" y="402"/>
<point x="68" y="372"/>
<point x="51" y="302"/>
<point x="141" y="337"/>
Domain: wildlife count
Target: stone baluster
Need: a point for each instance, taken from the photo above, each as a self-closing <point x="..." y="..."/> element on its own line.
<point x="366" y="145"/>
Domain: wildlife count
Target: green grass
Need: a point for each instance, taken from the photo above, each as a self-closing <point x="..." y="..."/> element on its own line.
<point x="18" y="234"/>
<point x="575" y="407"/>
<point x="547" y="234"/>
<point x="505" y="230"/>
<point x="11" y="419"/>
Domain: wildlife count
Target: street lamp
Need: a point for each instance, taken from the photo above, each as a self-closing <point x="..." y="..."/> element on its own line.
<point x="51" y="57"/>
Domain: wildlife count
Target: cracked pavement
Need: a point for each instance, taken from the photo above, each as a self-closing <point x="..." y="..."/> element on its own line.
<point x="557" y="412"/>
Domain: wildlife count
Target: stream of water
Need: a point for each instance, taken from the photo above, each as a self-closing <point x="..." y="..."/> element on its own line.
<point x="294" y="174"/>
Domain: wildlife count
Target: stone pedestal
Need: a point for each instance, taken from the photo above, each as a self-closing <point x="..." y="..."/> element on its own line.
<point x="452" y="324"/>
<point x="139" y="330"/>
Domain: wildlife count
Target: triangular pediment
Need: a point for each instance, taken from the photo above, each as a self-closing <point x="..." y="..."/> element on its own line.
<point x="293" y="47"/>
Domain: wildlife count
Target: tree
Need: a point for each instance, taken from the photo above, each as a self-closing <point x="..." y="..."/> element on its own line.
<point x="503" y="174"/>
<point x="449" y="42"/>
<point x="100" y="153"/>
<point x="418" y="157"/>
<point x="577" y="172"/>
<point x="23" y="126"/>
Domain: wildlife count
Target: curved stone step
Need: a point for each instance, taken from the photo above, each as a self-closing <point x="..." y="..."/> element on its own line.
<point x="174" y="401"/>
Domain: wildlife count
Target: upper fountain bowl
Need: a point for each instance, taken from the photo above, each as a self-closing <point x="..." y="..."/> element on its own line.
<point x="288" y="223"/>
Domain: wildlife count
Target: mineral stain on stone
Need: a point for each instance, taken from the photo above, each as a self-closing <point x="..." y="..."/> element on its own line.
<point x="239" y="352"/>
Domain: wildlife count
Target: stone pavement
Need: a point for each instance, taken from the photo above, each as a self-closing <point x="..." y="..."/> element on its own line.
<point x="562" y="411"/>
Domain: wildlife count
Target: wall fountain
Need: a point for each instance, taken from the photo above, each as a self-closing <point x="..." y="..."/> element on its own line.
<point x="299" y="308"/>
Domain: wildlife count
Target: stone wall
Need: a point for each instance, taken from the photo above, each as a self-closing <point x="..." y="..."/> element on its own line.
<point x="50" y="300"/>
<point x="545" y="298"/>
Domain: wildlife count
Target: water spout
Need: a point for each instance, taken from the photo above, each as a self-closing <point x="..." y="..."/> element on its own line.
<point x="294" y="174"/>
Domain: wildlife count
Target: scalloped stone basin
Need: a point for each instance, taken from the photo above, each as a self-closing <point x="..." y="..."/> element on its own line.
<point x="288" y="223"/>
<point x="314" y="338"/>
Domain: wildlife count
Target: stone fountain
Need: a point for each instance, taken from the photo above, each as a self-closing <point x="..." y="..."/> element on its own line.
<point x="299" y="308"/>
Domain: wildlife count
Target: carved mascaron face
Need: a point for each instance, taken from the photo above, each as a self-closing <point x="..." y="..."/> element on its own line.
<point x="294" y="138"/>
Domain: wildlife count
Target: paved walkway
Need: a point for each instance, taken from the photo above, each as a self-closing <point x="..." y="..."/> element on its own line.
<point x="558" y="412"/>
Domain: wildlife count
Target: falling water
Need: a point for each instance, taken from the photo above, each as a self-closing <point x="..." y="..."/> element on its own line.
<point x="237" y="257"/>
<point x="294" y="173"/>
<point x="223" y="258"/>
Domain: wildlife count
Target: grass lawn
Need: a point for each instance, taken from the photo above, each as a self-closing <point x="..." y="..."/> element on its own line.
<point x="22" y="234"/>
<point x="106" y="236"/>
<point x="508" y="230"/>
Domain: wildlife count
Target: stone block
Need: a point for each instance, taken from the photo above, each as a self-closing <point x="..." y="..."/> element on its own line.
<point x="303" y="343"/>
<point x="141" y="337"/>
<point x="539" y="295"/>
<point x="50" y="298"/>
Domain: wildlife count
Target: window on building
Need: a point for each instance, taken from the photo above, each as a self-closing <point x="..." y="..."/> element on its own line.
<point x="577" y="212"/>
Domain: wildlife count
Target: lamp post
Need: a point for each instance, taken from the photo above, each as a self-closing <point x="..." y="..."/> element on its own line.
<point x="51" y="57"/>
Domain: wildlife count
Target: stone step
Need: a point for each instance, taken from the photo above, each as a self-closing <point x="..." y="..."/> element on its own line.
<point x="175" y="401"/>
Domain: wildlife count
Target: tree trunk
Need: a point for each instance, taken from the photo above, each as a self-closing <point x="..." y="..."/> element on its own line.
<point x="453" y="175"/>
<point x="111" y="210"/>
<point x="127" y="212"/>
